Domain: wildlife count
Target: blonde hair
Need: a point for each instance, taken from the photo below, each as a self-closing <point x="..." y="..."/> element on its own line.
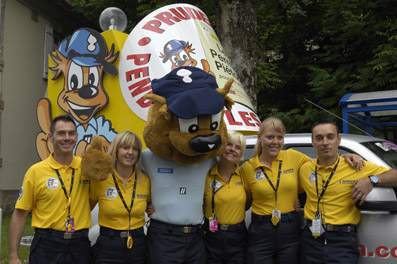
<point x="126" y="138"/>
<point x="234" y="135"/>
<point x="272" y="122"/>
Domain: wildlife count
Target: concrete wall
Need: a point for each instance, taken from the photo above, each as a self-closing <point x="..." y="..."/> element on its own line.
<point x="21" y="86"/>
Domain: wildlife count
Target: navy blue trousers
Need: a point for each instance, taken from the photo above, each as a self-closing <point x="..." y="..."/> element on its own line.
<point x="226" y="247"/>
<point x="330" y="248"/>
<point x="167" y="246"/>
<point x="54" y="250"/>
<point x="108" y="250"/>
<point x="273" y="245"/>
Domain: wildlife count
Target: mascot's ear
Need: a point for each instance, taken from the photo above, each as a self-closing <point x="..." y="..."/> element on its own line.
<point x="157" y="99"/>
<point x="96" y="164"/>
<point x="224" y="91"/>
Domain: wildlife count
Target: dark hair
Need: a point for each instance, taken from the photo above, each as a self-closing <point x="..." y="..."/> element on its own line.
<point x="64" y="118"/>
<point x="324" y="122"/>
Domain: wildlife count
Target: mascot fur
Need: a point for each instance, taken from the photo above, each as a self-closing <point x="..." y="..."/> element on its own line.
<point x="184" y="133"/>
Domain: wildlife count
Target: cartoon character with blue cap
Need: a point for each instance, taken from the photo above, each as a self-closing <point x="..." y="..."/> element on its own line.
<point x="178" y="52"/>
<point x="82" y="58"/>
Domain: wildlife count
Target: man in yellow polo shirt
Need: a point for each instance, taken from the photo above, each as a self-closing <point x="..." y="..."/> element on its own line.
<point x="57" y="194"/>
<point x="332" y="188"/>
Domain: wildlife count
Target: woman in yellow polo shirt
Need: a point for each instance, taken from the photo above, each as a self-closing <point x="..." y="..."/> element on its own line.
<point x="224" y="206"/>
<point x="271" y="177"/>
<point x="122" y="200"/>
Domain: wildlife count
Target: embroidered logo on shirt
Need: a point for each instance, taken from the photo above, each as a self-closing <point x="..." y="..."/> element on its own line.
<point x="182" y="190"/>
<point x="141" y="196"/>
<point x="111" y="193"/>
<point x="288" y="171"/>
<point x="346" y="181"/>
<point x="312" y="177"/>
<point x="239" y="183"/>
<point x="84" y="181"/>
<point x="259" y="175"/>
<point x="20" y="193"/>
<point x="218" y="185"/>
<point x="165" y="170"/>
<point x="52" y="183"/>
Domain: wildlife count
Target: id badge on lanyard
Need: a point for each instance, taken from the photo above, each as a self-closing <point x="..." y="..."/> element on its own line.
<point x="276" y="217"/>
<point x="276" y="214"/>
<point x="213" y="224"/>
<point x="213" y="221"/>
<point x="317" y="228"/>
<point x="69" y="225"/>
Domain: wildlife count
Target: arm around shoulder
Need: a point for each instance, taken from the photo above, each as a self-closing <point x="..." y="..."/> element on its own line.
<point x="17" y="226"/>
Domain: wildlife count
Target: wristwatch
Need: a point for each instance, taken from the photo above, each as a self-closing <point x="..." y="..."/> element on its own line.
<point x="374" y="179"/>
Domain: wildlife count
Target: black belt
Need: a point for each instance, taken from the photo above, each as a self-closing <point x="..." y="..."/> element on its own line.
<point x="337" y="228"/>
<point x="109" y="232"/>
<point x="291" y="216"/>
<point x="83" y="233"/>
<point x="239" y="226"/>
<point x="179" y="229"/>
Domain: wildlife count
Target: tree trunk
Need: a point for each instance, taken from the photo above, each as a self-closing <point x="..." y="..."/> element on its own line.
<point x="236" y="28"/>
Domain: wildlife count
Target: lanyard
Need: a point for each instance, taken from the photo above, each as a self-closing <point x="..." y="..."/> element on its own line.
<point x="122" y="199"/>
<point x="326" y="184"/>
<point x="64" y="189"/>
<point x="278" y="181"/>
<point x="213" y="194"/>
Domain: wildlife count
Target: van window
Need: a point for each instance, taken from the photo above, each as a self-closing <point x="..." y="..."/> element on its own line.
<point x="387" y="151"/>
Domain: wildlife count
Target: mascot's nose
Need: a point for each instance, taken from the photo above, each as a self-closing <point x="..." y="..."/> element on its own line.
<point x="203" y="144"/>
<point x="88" y="91"/>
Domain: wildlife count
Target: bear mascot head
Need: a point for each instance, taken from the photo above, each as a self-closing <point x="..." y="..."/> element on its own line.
<point x="185" y="122"/>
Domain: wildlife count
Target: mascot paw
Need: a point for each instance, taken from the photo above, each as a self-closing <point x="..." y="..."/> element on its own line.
<point x="96" y="164"/>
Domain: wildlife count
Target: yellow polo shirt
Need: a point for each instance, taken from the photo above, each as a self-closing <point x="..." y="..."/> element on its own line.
<point x="263" y="195"/>
<point x="42" y="193"/>
<point x="112" y="213"/>
<point x="229" y="200"/>
<point x="336" y="205"/>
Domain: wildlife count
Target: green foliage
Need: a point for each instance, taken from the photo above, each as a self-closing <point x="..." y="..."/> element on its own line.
<point x="135" y="10"/>
<point x="324" y="49"/>
<point x="308" y="49"/>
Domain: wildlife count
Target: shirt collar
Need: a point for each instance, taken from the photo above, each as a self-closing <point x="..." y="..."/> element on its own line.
<point x="257" y="163"/>
<point x="315" y="162"/>
<point x="214" y="170"/>
<point x="75" y="164"/>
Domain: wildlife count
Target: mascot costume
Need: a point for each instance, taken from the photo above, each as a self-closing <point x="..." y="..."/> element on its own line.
<point x="184" y="133"/>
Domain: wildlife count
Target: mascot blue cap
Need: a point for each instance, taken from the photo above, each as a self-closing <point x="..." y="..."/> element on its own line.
<point x="189" y="92"/>
<point x="86" y="47"/>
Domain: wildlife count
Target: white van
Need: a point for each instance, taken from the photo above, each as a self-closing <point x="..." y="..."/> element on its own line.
<point x="377" y="231"/>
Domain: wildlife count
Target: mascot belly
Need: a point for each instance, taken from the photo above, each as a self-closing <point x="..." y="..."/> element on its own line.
<point x="176" y="189"/>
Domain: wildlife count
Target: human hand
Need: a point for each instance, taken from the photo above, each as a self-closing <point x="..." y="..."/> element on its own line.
<point x="297" y="205"/>
<point x="361" y="188"/>
<point x="150" y="209"/>
<point x="355" y="161"/>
